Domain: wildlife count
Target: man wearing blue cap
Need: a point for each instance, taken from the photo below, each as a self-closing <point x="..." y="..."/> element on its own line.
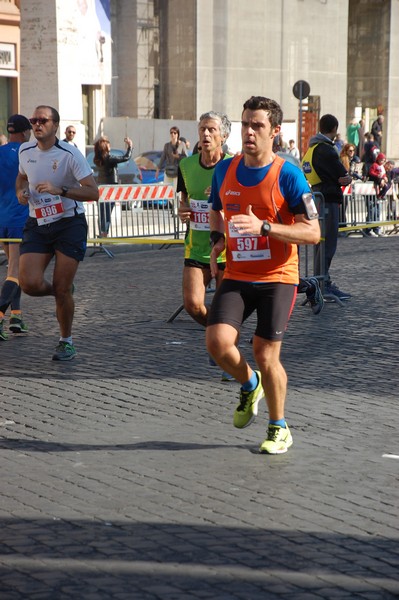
<point x="12" y="220"/>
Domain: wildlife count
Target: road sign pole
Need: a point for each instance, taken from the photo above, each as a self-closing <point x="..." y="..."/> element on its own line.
<point x="300" y="120"/>
<point x="301" y="90"/>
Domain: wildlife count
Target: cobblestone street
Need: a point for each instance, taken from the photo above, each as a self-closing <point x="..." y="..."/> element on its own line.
<point x="123" y="477"/>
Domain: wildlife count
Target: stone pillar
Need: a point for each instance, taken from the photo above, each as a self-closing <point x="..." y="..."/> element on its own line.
<point x="50" y="59"/>
<point x="391" y="124"/>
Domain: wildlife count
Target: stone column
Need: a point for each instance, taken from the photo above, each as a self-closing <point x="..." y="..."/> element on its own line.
<point x="50" y="60"/>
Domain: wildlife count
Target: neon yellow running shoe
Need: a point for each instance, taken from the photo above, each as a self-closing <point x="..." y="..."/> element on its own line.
<point x="246" y="411"/>
<point x="278" y="440"/>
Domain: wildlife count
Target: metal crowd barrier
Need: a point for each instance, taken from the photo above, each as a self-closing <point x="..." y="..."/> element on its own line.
<point x="138" y="214"/>
<point x="133" y="211"/>
<point x="307" y="253"/>
<point x="149" y="214"/>
<point x="363" y="212"/>
<point x="148" y="211"/>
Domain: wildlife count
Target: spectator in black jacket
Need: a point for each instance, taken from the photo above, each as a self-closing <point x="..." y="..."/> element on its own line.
<point x="392" y="174"/>
<point x="376" y="130"/>
<point x="107" y="173"/>
<point x="326" y="174"/>
<point x="370" y="151"/>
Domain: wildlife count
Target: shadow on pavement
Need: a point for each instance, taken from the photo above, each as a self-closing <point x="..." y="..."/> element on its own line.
<point x="156" y="560"/>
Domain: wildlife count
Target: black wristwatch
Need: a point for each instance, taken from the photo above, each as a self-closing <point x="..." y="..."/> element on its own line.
<point x="64" y="191"/>
<point x="265" y="229"/>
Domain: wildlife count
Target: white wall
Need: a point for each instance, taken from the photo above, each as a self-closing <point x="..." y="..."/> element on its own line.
<point x="152" y="134"/>
<point x="51" y="57"/>
<point x="147" y="134"/>
<point x="393" y="93"/>
<point x="264" y="47"/>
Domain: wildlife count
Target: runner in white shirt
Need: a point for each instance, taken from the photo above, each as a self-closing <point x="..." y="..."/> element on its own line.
<point x="54" y="178"/>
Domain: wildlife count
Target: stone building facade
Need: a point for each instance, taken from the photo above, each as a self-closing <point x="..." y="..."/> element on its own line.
<point x="179" y="58"/>
<point x="9" y="60"/>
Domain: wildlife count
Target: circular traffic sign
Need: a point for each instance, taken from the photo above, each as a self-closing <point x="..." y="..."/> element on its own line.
<point x="301" y="89"/>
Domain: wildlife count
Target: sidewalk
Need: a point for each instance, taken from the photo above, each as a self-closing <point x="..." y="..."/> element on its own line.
<point x="123" y="477"/>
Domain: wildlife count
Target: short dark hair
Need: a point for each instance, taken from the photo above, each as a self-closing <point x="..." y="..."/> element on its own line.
<point x="54" y="113"/>
<point x="328" y="123"/>
<point x="270" y="106"/>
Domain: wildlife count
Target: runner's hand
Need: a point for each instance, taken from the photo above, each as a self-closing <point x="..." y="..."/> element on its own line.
<point x="184" y="212"/>
<point x="23" y="196"/>
<point x="49" y="188"/>
<point x="247" y="224"/>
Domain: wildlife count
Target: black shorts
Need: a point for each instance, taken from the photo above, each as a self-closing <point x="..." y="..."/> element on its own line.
<point x="190" y="262"/>
<point x="235" y="301"/>
<point x="68" y="236"/>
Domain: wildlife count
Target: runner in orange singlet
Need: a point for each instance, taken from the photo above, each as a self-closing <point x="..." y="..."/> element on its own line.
<point x="261" y="209"/>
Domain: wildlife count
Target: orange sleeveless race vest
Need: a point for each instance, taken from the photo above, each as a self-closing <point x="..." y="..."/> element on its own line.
<point x="257" y="258"/>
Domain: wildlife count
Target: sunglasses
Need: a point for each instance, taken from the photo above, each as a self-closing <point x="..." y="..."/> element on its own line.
<point x="39" y="121"/>
<point x="69" y="131"/>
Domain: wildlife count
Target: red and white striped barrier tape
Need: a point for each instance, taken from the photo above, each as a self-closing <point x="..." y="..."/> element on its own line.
<point x="120" y="193"/>
<point x="346" y="190"/>
<point x="367" y="188"/>
<point x="364" y="189"/>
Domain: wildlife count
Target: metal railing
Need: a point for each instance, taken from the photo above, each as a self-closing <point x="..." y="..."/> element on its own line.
<point x="362" y="211"/>
<point x="134" y="211"/>
<point x="307" y="253"/>
<point x="150" y="212"/>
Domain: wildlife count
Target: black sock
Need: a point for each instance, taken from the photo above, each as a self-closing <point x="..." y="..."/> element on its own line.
<point x="8" y="291"/>
<point x="16" y="301"/>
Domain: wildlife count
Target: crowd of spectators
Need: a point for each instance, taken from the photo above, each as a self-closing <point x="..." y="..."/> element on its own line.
<point x="361" y="154"/>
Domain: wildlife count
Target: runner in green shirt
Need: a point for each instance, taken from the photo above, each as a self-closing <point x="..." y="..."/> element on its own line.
<point x="194" y="184"/>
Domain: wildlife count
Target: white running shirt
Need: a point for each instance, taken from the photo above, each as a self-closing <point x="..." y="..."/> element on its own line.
<point x="62" y="165"/>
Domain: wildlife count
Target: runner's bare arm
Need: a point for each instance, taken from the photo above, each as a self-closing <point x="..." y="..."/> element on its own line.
<point x="303" y="231"/>
<point x="87" y="191"/>
<point x="216" y="223"/>
<point x="22" y="188"/>
<point x="184" y="208"/>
